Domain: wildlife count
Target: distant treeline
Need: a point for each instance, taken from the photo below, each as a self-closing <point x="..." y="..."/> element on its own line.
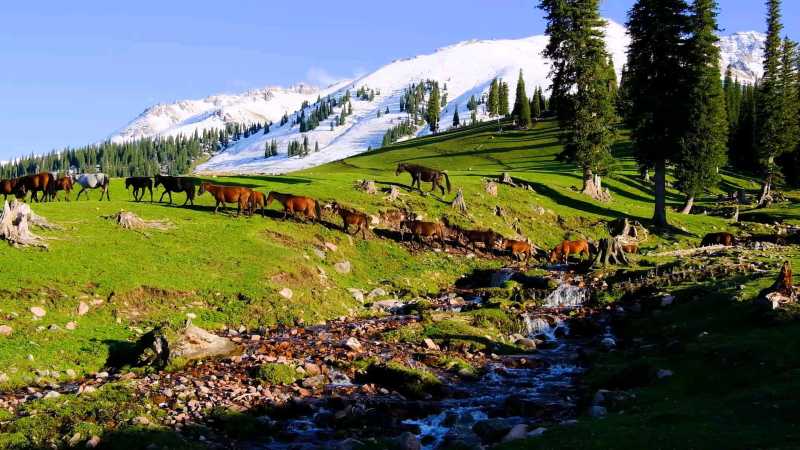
<point x="141" y="157"/>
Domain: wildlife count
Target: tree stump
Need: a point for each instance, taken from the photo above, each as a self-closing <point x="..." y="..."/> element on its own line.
<point x="131" y="221"/>
<point x="458" y="202"/>
<point x="14" y="225"/>
<point x="367" y="186"/>
<point x="491" y="188"/>
<point x="610" y="251"/>
<point x="735" y="217"/>
<point x="593" y="187"/>
<point x="781" y="293"/>
<point x="499" y="211"/>
<point x="505" y="178"/>
<point x="394" y="194"/>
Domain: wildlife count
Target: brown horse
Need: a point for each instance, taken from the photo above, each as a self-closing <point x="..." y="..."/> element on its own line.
<point x="562" y="251"/>
<point x="352" y="217"/>
<point x="420" y="174"/>
<point x="519" y="249"/>
<point x="473" y="237"/>
<point x="43" y="182"/>
<point x="423" y="230"/>
<point x="296" y="204"/>
<point x="228" y="194"/>
<point x="12" y="187"/>
<point x="722" y="238"/>
<point x="258" y="200"/>
<point x="62" y="184"/>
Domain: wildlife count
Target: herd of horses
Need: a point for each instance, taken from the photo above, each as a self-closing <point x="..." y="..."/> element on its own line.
<point x="249" y="201"/>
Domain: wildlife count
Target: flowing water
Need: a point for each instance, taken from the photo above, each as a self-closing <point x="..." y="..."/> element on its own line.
<point x="540" y="386"/>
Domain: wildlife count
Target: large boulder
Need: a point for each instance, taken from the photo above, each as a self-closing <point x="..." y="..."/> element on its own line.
<point x="166" y="344"/>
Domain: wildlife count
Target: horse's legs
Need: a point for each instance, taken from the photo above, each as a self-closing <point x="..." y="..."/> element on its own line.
<point x="151" y="194"/>
<point x="105" y="191"/>
<point x="216" y="207"/>
<point x="170" y="197"/>
<point x="83" y="190"/>
<point x="162" y="197"/>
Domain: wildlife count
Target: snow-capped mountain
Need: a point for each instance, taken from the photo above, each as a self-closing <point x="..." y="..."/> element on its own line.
<point x="744" y="53"/>
<point x="466" y="69"/>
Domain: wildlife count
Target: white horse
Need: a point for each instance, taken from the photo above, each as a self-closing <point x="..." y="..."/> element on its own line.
<point x="93" y="181"/>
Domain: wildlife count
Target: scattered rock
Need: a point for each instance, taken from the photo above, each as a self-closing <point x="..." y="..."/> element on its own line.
<point x="430" y="344"/>
<point x="286" y="293"/>
<point x="357" y="294"/>
<point x="52" y="394"/>
<point x="667" y="300"/>
<point x="3" y="378"/>
<point x="163" y="344"/>
<point x="71" y="325"/>
<point x="83" y="309"/>
<point x="407" y="441"/>
<point x="93" y="442"/>
<point x="664" y="373"/>
<point x="38" y="312"/>
<point x="377" y="292"/>
<point x="390" y="306"/>
<point x="519" y="431"/>
<point x="331" y="246"/>
<point x="353" y="344"/>
<point x="608" y="343"/>
<point x="493" y="430"/>
<point x="537" y="432"/>
<point x="343" y="267"/>
<point x="317" y="381"/>
<point x="6" y="330"/>
<point x="526" y="343"/>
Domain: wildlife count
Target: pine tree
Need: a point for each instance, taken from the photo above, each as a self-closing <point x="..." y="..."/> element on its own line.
<point x="502" y="105"/>
<point x="655" y="83"/>
<point x="583" y="80"/>
<point x="493" y="102"/>
<point x="522" y="106"/>
<point x="704" y="144"/>
<point x="433" y="109"/>
<point x="770" y="136"/>
<point x="456" y="120"/>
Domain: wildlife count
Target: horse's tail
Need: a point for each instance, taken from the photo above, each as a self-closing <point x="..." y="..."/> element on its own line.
<point x="447" y="180"/>
<point x="51" y="186"/>
<point x="318" y="210"/>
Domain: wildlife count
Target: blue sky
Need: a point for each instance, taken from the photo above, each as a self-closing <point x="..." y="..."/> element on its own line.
<point x="73" y="72"/>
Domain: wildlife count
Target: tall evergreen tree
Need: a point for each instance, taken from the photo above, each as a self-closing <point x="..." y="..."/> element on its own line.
<point x="434" y="108"/>
<point x="522" y="105"/>
<point x="655" y="83"/>
<point x="704" y="144"/>
<point x="769" y="108"/>
<point x="493" y="101"/>
<point x="456" y="119"/>
<point x="536" y="104"/>
<point x="502" y="104"/>
<point x="585" y="85"/>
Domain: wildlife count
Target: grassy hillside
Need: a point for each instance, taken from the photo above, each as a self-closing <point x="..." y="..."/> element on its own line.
<point x="228" y="271"/>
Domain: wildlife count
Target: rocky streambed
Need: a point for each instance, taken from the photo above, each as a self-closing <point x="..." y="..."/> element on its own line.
<point x="345" y="384"/>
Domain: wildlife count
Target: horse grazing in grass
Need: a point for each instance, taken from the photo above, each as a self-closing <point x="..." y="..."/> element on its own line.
<point x="93" y="181"/>
<point x="296" y="204"/>
<point x="562" y="251"/>
<point x="12" y="187"/>
<point x="140" y="185"/>
<point x="420" y="174"/>
<point x="519" y="249"/>
<point x="423" y="230"/>
<point x="473" y="237"/>
<point x="258" y="200"/>
<point x="43" y="182"/>
<point x="228" y="194"/>
<point x="352" y="217"/>
<point x="175" y="184"/>
<point x="62" y="184"/>
<point x="722" y="238"/>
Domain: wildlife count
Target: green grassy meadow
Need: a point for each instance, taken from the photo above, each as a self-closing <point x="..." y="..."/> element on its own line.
<point x="228" y="271"/>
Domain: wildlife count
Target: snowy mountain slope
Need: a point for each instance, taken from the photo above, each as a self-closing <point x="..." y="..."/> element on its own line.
<point x="184" y="117"/>
<point x="466" y="69"/>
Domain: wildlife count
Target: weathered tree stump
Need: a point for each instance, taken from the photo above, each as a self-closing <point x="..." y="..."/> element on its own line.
<point x="499" y="211"/>
<point x="394" y="194"/>
<point x="781" y="293"/>
<point x="131" y="221"/>
<point x="367" y="186"/>
<point x="593" y="187"/>
<point x="610" y="251"/>
<point x="505" y="178"/>
<point x="735" y="217"/>
<point x="491" y="188"/>
<point x="458" y="202"/>
<point x="14" y="225"/>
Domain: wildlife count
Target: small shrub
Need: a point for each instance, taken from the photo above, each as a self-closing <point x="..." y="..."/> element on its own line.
<point x="275" y="373"/>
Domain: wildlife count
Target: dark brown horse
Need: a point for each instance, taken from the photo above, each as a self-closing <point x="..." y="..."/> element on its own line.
<point x="43" y="182"/>
<point x="62" y="184"/>
<point x="721" y="238"/>
<point x="175" y="184"/>
<point x="352" y="217"/>
<point x="423" y="230"/>
<point x="562" y="251"/>
<point x="296" y="204"/>
<point x="420" y="174"/>
<point x="518" y="249"/>
<point x="228" y="194"/>
<point x="472" y="237"/>
<point x="12" y="187"/>
<point x="140" y="186"/>
<point x="258" y="200"/>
